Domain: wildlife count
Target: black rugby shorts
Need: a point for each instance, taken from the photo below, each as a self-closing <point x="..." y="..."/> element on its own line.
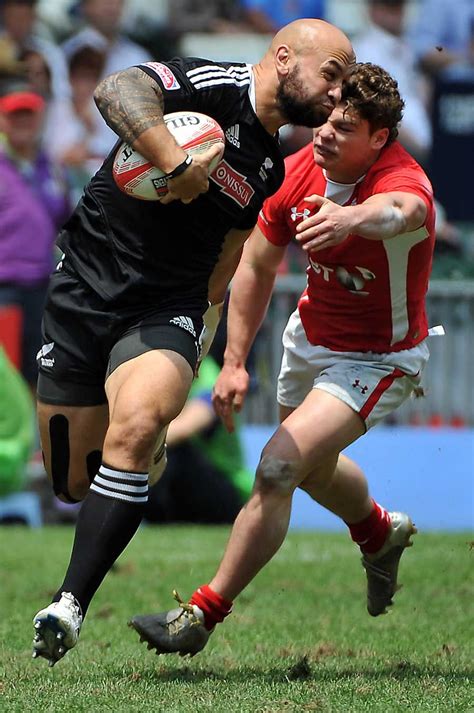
<point x="85" y="338"/>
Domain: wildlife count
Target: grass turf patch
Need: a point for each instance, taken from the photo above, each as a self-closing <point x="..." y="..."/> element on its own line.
<point x="299" y="639"/>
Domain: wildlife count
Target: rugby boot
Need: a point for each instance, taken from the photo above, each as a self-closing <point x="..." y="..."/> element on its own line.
<point x="179" y="630"/>
<point x="382" y="567"/>
<point x="57" y="628"/>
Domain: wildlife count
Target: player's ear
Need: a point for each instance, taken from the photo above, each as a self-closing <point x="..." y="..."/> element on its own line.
<point x="282" y="59"/>
<point x="379" y="138"/>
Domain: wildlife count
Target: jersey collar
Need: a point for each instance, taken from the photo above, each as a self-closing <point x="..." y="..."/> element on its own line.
<point x="342" y="185"/>
<point x="252" y="96"/>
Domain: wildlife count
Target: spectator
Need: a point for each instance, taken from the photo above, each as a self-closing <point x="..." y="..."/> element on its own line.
<point x="211" y="16"/>
<point x="85" y="69"/>
<point x="43" y="64"/>
<point x="16" y="427"/>
<point x="205" y="479"/>
<point x="442" y="36"/>
<point x="267" y="16"/>
<point x="103" y="34"/>
<point x="10" y="66"/>
<point x="59" y="121"/>
<point x="18" y="34"/>
<point x="33" y="203"/>
<point x="452" y="258"/>
<point x="148" y="25"/>
<point x="383" y="43"/>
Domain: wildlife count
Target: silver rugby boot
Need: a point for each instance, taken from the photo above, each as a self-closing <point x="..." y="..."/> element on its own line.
<point x="57" y="628"/>
<point x="382" y="567"/>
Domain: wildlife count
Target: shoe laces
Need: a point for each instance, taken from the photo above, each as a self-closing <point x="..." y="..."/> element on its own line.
<point x="72" y="604"/>
<point x="188" y="610"/>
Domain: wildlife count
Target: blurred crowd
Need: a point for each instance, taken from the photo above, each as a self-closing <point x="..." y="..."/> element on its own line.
<point x="58" y="50"/>
<point x="53" y="53"/>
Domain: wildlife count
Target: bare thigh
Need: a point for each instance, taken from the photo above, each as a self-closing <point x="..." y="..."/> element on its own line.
<point x="145" y="394"/>
<point x="312" y="435"/>
<point x="72" y="438"/>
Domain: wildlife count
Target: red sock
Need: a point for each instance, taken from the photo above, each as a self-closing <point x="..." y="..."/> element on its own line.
<point x="215" y="607"/>
<point x="371" y="533"/>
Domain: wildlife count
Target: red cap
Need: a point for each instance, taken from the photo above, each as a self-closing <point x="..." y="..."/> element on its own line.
<point x="16" y="101"/>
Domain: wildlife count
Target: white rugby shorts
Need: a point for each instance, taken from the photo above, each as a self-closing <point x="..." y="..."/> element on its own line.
<point x="372" y="384"/>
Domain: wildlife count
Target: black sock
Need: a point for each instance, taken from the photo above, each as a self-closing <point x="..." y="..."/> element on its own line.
<point x="109" y="517"/>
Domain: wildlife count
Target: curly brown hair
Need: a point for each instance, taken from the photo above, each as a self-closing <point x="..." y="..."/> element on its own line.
<point x="374" y="95"/>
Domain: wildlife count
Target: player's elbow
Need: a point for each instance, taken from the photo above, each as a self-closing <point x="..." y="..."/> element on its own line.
<point x="417" y="214"/>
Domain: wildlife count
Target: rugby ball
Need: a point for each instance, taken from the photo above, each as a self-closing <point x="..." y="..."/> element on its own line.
<point x="139" y="178"/>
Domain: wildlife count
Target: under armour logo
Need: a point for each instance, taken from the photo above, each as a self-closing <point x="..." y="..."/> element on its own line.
<point x="362" y="389"/>
<point x="295" y="214"/>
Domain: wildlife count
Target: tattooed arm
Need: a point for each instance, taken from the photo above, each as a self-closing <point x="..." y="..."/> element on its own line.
<point x="132" y="105"/>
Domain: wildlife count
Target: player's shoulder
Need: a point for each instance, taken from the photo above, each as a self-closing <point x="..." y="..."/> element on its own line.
<point x="298" y="167"/>
<point x="200" y="73"/>
<point x="204" y="73"/>
<point x="301" y="162"/>
<point x="396" y="162"/>
<point x="396" y="158"/>
<point x="301" y="171"/>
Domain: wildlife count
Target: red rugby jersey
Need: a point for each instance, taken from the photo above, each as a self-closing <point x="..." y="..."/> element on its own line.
<point x="362" y="295"/>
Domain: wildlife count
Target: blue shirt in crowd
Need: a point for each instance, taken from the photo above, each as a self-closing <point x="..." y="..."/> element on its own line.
<point x="445" y="25"/>
<point x="285" y="11"/>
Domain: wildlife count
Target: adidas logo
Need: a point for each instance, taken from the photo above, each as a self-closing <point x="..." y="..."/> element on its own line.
<point x="185" y="323"/>
<point x="41" y="356"/>
<point x="232" y="135"/>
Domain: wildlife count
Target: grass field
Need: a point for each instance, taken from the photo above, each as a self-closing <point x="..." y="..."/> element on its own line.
<point x="299" y="639"/>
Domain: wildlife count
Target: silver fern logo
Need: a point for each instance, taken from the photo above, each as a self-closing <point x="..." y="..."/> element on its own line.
<point x="41" y="357"/>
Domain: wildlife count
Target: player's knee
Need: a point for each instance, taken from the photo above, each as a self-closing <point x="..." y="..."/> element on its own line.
<point x="134" y="436"/>
<point x="277" y="475"/>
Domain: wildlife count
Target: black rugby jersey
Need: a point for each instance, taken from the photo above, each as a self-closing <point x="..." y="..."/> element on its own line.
<point x="132" y="251"/>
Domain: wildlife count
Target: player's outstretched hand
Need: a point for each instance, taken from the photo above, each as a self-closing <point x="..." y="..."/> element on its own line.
<point x="229" y="393"/>
<point x="328" y="227"/>
<point x="195" y="180"/>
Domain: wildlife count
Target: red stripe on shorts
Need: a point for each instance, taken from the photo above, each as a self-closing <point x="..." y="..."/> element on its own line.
<point x="379" y="391"/>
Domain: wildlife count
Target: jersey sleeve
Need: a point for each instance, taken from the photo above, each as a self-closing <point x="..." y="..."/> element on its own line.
<point x="407" y="181"/>
<point x="196" y="84"/>
<point x="271" y="219"/>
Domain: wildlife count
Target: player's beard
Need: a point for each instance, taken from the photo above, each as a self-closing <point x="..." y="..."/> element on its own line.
<point x="295" y="106"/>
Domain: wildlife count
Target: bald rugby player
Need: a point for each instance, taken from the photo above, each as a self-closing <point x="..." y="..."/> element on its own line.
<point x="124" y="320"/>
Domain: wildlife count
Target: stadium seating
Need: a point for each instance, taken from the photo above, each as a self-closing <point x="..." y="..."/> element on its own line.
<point x="21" y="508"/>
